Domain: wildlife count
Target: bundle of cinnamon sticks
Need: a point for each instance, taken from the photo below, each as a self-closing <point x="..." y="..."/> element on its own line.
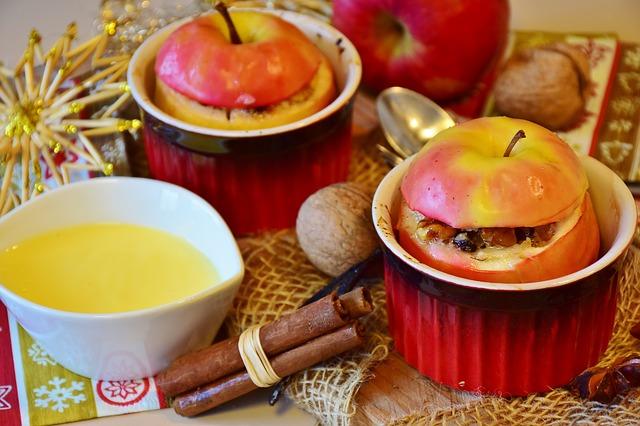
<point x="202" y="380"/>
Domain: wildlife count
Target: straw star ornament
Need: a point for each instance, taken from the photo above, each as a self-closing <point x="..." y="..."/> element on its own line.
<point x="51" y="106"/>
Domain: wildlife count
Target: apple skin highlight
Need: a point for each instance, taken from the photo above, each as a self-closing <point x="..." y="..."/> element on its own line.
<point x="274" y="61"/>
<point x="462" y="179"/>
<point x="436" y="47"/>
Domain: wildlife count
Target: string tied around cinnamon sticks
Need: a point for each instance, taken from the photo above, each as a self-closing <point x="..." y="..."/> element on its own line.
<point x="255" y="359"/>
<point x="207" y="378"/>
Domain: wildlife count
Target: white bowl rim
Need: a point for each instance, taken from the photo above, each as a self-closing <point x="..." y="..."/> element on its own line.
<point x="347" y="93"/>
<point x="126" y="180"/>
<point x="628" y="221"/>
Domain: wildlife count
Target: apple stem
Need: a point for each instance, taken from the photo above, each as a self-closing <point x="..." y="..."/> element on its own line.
<point x="233" y="33"/>
<point x="519" y="135"/>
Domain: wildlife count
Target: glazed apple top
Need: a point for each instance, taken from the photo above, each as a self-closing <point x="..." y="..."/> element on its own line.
<point x="462" y="178"/>
<point x="274" y="61"/>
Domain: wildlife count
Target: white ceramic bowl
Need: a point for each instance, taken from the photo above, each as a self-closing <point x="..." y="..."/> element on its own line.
<point x="138" y="343"/>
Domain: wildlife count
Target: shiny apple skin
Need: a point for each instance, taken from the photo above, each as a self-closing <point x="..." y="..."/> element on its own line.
<point x="577" y="249"/>
<point x="462" y="179"/>
<point x="321" y="91"/>
<point x="437" y="47"/>
<point x="274" y="61"/>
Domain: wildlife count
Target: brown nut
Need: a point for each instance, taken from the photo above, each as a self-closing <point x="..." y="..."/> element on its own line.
<point x="546" y="85"/>
<point x="334" y="227"/>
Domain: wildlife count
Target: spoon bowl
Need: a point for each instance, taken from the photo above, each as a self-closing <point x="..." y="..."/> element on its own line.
<point x="409" y="120"/>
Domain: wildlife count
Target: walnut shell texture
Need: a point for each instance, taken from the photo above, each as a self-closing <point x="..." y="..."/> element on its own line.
<point x="334" y="227"/>
<point x="546" y="85"/>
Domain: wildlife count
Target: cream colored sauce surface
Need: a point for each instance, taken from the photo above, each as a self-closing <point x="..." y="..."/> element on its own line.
<point x="105" y="268"/>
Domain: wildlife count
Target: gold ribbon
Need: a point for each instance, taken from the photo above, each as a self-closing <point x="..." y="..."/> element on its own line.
<point x="255" y="360"/>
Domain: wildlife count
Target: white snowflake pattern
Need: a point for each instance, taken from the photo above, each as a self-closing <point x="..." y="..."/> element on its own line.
<point x="58" y="396"/>
<point x="39" y="355"/>
<point x="615" y="152"/>
<point x="632" y="58"/>
<point x="625" y="106"/>
<point x="620" y="126"/>
<point x="629" y="81"/>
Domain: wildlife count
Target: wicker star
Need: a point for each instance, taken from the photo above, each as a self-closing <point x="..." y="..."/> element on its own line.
<point x="42" y="112"/>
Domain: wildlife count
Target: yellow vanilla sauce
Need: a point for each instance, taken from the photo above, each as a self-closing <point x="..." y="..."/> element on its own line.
<point x="105" y="268"/>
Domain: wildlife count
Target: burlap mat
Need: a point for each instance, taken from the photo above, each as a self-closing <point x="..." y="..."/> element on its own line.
<point x="279" y="278"/>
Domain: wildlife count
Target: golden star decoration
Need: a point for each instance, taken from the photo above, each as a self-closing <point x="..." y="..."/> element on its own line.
<point x="41" y="111"/>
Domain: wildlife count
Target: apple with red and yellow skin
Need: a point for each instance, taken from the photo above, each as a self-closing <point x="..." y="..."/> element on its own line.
<point x="204" y="78"/>
<point x="463" y="179"/>
<point x="440" y="48"/>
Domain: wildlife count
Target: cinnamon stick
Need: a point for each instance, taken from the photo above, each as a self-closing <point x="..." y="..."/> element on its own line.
<point x="291" y="330"/>
<point x="285" y="364"/>
<point x="357" y="302"/>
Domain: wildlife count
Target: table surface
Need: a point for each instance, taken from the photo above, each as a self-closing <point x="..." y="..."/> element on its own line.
<point x="50" y="17"/>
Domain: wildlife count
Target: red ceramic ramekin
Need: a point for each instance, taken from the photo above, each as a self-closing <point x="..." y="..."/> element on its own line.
<point x="505" y="339"/>
<point x="256" y="179"/>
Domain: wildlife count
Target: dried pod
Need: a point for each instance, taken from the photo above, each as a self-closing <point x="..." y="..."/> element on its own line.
<point x="546" y="85"/>
<point x="334" y="227"/>
<point x="600" y="384"/>
<point x="630" y="369"/>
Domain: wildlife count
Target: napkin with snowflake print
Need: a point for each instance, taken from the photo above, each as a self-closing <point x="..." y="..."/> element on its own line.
<point x="35" y="390"/>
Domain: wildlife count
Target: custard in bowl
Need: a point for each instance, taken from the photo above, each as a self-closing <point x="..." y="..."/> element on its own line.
<point x="115" y="277"/>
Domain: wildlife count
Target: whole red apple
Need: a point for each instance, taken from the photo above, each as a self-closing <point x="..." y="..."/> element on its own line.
<point x="440" y="48"/>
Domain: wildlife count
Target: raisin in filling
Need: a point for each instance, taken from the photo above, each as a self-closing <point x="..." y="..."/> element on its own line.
<point x="470" y="240"/>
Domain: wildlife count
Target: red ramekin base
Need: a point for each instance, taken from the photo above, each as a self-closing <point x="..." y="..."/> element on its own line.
<point x="506" y="343"/>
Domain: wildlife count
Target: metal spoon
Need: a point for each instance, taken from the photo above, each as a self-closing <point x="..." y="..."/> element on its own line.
<point x="408" y="121"/>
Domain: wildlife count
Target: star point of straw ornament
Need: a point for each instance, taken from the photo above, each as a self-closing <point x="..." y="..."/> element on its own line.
<point x="44" y="105"/>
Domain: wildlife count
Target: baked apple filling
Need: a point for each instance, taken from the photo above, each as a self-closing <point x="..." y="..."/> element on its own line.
<point x="470" y="240"/>
<point x="487" y="244"/>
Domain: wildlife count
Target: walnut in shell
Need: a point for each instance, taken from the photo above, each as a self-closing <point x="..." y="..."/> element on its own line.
<point x="334" y="227"/>
<point x="546" y="85"/>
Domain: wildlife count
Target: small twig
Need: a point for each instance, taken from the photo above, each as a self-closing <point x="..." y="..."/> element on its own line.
<point x="519" y="135"/>
<point x="233" y="33"/>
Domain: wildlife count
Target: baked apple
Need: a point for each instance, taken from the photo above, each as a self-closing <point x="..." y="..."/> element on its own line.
<point x="498" y="199"/>
<point x="241" y="70"/>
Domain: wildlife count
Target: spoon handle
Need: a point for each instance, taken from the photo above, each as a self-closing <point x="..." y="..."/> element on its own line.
<point x="391" y="158"/>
